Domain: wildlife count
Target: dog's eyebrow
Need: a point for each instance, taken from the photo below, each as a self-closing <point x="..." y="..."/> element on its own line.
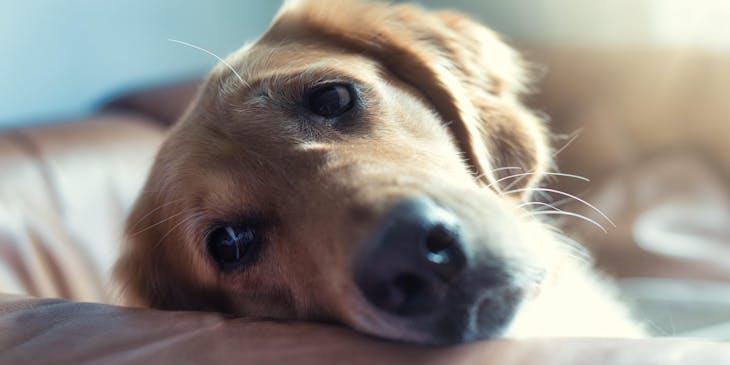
<point x="310" y="75"/>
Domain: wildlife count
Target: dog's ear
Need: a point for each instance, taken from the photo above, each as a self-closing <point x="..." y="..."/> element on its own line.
<point x="150" y="271"/>
<point x="471" y="77"/>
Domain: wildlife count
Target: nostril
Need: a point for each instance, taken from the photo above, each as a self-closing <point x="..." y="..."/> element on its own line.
<point x="409" y="285"/>
<point x="404" y="294"/>
<point x="444" y="251"/>
<point x="439" y="244"/>
<point x="413" y="294"/>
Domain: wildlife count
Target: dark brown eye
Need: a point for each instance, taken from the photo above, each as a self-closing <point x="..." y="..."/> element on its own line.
<point x="331" y="101"/>
<point x="229" y="245"/>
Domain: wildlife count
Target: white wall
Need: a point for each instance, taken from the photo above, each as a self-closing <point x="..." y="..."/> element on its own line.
<point x="674" y="23"/>
<point x="61" y="59"/>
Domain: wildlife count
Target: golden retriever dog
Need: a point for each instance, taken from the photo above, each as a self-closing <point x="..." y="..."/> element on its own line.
<point x="364" y="164"/>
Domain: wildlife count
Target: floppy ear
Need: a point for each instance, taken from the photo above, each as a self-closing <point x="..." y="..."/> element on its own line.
<point x="467" y="73"/>
<point x="151" y="273"/>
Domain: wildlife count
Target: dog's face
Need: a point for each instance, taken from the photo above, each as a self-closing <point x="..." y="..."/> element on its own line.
<point x="347" y="172"/>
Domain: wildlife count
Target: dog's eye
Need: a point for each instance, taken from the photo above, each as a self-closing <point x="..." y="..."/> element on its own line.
<point x="228" y="245"/>
<point x="331" y="101"/>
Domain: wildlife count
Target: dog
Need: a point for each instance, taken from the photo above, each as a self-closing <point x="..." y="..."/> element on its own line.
<point x="369" y="165"/>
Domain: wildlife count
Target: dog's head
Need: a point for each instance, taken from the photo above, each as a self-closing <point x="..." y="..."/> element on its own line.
<point x="348" y="171"/>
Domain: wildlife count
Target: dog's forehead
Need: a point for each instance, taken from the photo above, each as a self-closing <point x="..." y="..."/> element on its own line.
<point x="270" y="60"/>
<point x="294" y="43"/>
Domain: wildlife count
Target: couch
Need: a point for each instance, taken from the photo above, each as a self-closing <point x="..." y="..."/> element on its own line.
<point x="653" y="130"/>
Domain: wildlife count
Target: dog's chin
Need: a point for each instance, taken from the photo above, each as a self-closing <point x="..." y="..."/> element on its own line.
<point x="483" y="320"/>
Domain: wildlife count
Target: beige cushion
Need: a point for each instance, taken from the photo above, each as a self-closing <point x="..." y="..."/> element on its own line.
<point x="64" y="193"/>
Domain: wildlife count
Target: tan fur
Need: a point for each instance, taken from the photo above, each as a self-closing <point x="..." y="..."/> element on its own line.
<point x="442" y="112"/>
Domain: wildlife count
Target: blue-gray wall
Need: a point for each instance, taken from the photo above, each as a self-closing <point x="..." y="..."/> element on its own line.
<point x="61" y="59"/>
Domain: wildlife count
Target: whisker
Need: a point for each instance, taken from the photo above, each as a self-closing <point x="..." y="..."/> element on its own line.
<point x="495" y="170"/>
<point x="158" y="223"/>
<point x="538" y="203"/>
<point x="154" y="210"/>
<point x="572" y="139"/>
<point x="575" y="136"/>
<point x="545" y="196"/>
<point x="578" y="177"/>
<point x="517" y="180"/>
<point x="506" y="168"/>
<point x="570" y="214"/>
<point x="173" y="228"/>
<point x="564" y="194"/>
<point x="559" y="202"/>
<point x="214" y="55"/>
<point x="563" y="174"/>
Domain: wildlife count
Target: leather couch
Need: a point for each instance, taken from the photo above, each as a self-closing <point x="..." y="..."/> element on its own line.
<point x="650" y="137"/>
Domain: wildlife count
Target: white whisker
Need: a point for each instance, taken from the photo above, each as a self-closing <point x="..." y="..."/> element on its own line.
<point x="559" y="202"/>
<point x="496" y="170"/>
<point x="545" y="173"/>
<point x="545" y="196"/>
<point x="214" y="55"/>
<point x="575" y="136"/>
<point x="158" y="223"/>
<point x="564" y="194"/>
<point x="172" y="229"/>
<point x="538" y="203"/>
<point x="570" y="214"/>
<point x="187" y="220"/>
<point x="151" y="211"/>
<point x="506" y="168"/>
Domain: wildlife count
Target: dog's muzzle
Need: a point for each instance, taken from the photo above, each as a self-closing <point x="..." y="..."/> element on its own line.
<point x="420" y="270"/>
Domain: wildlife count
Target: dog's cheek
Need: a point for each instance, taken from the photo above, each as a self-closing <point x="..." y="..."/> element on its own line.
<point x="151" y="277"/>
<point x="156" y="265"/>
<point x="132" y="274"/>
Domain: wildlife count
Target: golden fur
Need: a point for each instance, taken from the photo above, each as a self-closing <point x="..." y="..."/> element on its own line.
<point x="442" y="115"/>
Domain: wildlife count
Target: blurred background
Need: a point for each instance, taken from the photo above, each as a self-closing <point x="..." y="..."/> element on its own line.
<point x="635" y="91"/>
<point x="65" y="59"/>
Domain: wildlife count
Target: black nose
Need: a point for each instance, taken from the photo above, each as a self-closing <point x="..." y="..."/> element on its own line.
<point x="408" y="264"/>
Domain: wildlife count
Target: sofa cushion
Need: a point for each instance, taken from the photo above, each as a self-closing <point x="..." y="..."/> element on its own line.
<point x="65" y="190"/>
<point x="164" y="104"/>
<point x="50" y="331"/>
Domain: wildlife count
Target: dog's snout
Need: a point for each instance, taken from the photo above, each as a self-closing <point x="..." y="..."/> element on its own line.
<point x="425" y="267"/>
<point x="412" y="257"/>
